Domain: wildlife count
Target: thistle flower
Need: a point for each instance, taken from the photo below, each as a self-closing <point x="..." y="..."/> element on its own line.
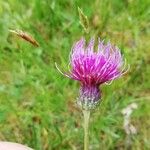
<point x="93" y="68"/>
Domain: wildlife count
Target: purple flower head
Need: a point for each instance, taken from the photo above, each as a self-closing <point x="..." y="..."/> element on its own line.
<point x="93" y="68"/>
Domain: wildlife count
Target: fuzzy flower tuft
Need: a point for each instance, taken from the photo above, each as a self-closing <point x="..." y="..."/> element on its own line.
<point x="93" y="68"/>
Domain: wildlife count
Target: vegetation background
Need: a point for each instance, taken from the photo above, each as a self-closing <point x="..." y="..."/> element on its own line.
<point x="37" y="104"/>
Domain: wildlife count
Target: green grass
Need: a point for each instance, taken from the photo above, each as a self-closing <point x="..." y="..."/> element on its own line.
<point x="38" y="104"/>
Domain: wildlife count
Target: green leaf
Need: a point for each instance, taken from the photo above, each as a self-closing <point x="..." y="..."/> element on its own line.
<point x="83" y="20"/>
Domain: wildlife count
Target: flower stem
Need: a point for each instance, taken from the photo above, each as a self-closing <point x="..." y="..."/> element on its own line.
<point x="86" y="115"/>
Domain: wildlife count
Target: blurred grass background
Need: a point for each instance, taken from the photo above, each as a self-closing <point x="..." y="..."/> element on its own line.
<point x="37" y="104"/>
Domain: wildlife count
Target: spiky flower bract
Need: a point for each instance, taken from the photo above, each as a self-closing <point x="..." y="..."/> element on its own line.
<point x="93" y="68"/>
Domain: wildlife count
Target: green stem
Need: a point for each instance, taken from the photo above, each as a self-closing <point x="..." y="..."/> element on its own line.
<point x="86" y="115"/>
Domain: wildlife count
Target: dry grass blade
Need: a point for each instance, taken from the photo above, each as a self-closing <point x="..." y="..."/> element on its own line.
<point x="25" y="36"/>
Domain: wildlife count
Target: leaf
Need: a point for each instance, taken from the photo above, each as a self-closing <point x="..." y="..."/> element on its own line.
<point x="83" y="20"/>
